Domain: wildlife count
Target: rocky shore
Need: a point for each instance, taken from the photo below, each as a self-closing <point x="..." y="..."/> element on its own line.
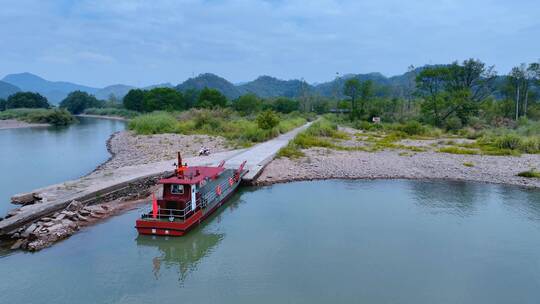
<point x="15" y="124"/>
<point x="320" y="163"/>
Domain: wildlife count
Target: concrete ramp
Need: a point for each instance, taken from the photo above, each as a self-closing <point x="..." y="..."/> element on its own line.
<point x="258" y="156"/>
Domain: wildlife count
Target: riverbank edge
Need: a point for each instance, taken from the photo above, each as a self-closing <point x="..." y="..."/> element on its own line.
<point x="263" y="183"/>
<point x="110" y="150"/>
<point x="103" y="117"/>
<point x="7" y="124"/>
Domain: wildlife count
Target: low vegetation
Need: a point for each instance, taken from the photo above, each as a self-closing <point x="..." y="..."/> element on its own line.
<point x="529" y="174"/>
<point x="55" y="117"/>
<point x="319" y="134"/>
<point x="113" y="112"/>
<point x="239" y="130"/>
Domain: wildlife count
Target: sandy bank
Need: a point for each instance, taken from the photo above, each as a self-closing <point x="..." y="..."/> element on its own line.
<point x="15" y="124"/>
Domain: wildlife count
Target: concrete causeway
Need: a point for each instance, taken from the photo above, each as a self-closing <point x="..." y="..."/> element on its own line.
<point x="105" y="182"/>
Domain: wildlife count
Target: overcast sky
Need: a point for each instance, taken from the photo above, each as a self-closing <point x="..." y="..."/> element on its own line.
<point x="101" y="42"/>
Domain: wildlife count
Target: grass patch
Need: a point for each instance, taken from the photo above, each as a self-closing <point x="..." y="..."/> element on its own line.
<point x="290" y="151"/>
<point x="529" y="174"/>
<point x="55" y="117"/>
<point x="241" y="131"/>
<point x="468" y="164"/>
<point x="154" y="123"/>
<point x="458" y="150"/>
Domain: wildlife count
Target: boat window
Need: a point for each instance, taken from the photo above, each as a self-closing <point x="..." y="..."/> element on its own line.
<point x="177" y="189"/>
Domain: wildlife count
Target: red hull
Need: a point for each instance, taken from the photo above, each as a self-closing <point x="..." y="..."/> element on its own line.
<point x="155" y="227"/>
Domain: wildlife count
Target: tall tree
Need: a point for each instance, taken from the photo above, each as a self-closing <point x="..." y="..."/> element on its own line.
<point x="366" y="93"/>
<point x="209" y="98"/>
<point x="455" y="89"/>
<point x="247" y="104"/>
<point x="167" y="99"/>
<point x="27" y="100"/>
<point x="134" y="100"/>
<point x="352" y="89"/>
<point x="77" y="101"/>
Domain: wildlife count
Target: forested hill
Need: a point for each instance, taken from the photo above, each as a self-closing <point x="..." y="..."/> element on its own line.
<point x="266" y="86"/>
<point x="398" y="86"/>
<point x="7" y="89"/>
<point x="212" y="81"/>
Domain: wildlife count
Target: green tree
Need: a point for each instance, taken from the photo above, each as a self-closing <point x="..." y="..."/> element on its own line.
<point x="285" y="105"/>
<point x="454" y="90"/>
<point x="27" y="100"/>
<point x="167" y="99"/>
<point x="247" y="104"/>
<point x="352" y="89"/>
<point x="77" y="101"/>
<point x="267" y="120"/>
<point x="321" y="106"/>
<point x="366" y="93"/>
<point x="209" y="98"/>
<point x="2" y="104"/>
<point x="134" y="100"/>
<point x="191" y="96"/>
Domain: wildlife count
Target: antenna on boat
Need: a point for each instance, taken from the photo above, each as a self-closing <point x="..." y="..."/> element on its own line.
<point x="179" y="167"/>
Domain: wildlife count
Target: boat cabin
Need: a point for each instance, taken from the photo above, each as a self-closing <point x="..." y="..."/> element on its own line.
<point x="182" y="189"/>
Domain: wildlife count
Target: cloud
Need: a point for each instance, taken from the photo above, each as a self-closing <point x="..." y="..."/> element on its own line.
<point x="102" y="42"/>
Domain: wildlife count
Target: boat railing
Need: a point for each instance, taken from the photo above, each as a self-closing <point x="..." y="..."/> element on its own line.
<point x="206" y="200"/>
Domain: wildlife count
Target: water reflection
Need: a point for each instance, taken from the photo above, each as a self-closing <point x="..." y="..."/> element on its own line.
<point x="183" y="252"/>
<point x="188" y="251"/>
<point x="458" y="198"/>
<point x="527" y="203"/>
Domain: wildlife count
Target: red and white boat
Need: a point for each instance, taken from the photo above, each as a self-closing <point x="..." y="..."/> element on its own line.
<point x="189" y="197"/>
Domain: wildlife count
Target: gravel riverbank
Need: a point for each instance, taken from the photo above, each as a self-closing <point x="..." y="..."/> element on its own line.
<point x="322" y="163"/>
<point x="128" y="149"/>
<point x="15" y="124"/>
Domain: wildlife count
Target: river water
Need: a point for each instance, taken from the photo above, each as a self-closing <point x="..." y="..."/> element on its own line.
<point x="36" y="157"/>
<point x="381" y="241"/>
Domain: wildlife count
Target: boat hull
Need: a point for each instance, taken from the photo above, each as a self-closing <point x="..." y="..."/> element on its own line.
<point x="175" y="228"/>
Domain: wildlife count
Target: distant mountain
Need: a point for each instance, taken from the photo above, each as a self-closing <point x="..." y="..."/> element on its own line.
<point x="55" y="91"/>
<point x="211" y="81"/>
<point x="266" y="86"/>
<point x="7" y="89"/>
<point x="160" y="85"/>
<point x="118" y="90"/>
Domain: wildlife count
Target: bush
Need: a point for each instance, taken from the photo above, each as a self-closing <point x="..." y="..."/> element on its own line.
<point x="530" y="145"/>
<point x="413" y="127"/>
<point x="267" y="120"/>
<point x="154" y="123"/>
<point x="367" y="126"/>
<point x="55" y="117"/>
<point x="508" y="141"/>
<point x="453" y="124"/>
